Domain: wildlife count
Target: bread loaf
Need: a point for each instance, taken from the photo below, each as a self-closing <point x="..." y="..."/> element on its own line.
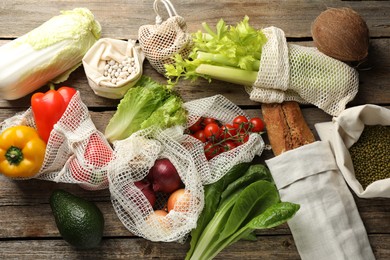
<point x="286" y="127"/>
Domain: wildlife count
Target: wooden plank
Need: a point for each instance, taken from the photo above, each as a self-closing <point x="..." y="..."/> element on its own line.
<point x="267" y="247"/>
<point x="122" y="19"/>
<point x="36" y="220"/>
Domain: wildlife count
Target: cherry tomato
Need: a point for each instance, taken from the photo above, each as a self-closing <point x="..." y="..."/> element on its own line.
<point x="197" y="126"/>
<point x="209" y="120"/>
<point x="211" y="150"/>
<point x="212" y="131"/>
<point x="256" y="125"/>
<point x="200" y="135"/>
<point x="228" y="145"/>
<point x="241" y="123"/>
<point x="228" y="131"/>
<point x="242" y="138"/>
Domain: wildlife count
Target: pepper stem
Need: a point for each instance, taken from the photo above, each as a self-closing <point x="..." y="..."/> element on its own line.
<point x="14" y="155"/>
<point x="51" y="86"/>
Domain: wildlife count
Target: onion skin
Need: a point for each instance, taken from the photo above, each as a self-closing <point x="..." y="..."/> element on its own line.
<point x="164" y="176"/>
<point x="146" y="188"/>
<point x="181" y="198"/>
<point x="341" y="33"/>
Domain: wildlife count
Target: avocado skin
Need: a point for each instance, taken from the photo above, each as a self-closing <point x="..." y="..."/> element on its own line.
<point x="80" y="222"/>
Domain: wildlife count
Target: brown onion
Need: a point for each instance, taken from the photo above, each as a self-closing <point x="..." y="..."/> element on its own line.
<point x="341" y="33"/>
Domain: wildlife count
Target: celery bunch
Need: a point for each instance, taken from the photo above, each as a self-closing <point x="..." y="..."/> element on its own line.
<point x="230" y="54"/>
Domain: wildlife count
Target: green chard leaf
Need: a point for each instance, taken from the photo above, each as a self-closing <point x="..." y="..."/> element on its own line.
<point x="212" y="195"/>
<point x="235" y="206"/>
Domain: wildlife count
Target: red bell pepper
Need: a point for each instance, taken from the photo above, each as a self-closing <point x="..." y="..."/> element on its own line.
<point x="91" y="171"/>
<point x="49" y="107"/>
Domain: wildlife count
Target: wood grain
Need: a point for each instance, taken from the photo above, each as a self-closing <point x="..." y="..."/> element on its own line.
<point x="27" y="228"/>
<point x="121" y="19"/>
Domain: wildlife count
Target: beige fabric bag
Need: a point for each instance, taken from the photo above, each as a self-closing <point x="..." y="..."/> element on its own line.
<point x="328" y="224"/>
<point x="343" y="132"/>
<point x="160" y="42"/>
<point x="113" y="66"/>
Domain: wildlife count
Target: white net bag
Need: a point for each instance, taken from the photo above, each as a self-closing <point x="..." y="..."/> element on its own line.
<point x="223" y="110"/>
<point x="135" y="156"/>
<point x="76" y="151"/>
<point x="160" y="42"/>
<point x="290" y="72"/>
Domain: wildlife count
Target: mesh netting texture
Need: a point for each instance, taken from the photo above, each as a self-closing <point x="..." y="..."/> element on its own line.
<point x="223" y="110"/>
<point x="76" y="151"/>
<point x="160" y="42"/>
<point x="289" y="72"/>
<point x="135" y="155"/>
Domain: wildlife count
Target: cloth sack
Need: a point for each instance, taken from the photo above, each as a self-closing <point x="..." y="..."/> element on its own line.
<point x="290" y="72"/>
<point x="328" y="224"/>
<point x="76" y="151"/>
<point x="161" y="41"/>
<point x="113" y="66"/>
<point x="343" y="132"/>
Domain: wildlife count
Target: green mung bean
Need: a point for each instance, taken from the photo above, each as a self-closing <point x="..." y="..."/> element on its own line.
<point x="371" y="154"/>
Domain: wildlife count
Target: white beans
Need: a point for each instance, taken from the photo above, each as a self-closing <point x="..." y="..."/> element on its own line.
<point x="119" y="71"/>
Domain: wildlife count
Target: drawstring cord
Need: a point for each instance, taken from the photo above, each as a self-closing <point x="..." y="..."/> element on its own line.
<point x="168" y="5"/>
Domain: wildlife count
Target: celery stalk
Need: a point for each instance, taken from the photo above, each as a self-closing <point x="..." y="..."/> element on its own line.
<point x="232" y="54"/>
<point x="228" y="74"/>
<point x="223" y="60"/>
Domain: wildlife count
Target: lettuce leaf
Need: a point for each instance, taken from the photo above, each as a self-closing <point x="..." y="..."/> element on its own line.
<point x="148" y="103"/>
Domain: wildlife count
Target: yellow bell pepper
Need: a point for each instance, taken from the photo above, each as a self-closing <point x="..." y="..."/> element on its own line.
<point x="22" y="152"/>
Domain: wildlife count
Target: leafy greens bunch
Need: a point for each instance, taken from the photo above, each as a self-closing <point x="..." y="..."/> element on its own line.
<point x="244" y="200"/>
<point x="230" y="54"/>
<point x="147" y="104"/>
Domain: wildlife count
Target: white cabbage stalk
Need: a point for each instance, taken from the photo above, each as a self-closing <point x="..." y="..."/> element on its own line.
<point x="47" y="54"/>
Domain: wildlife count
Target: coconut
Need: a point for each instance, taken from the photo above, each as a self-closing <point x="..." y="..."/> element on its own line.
<point x="341" y="33"/>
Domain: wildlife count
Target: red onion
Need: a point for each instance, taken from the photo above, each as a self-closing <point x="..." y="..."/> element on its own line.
<point x="164" y="176"/>
<point x="146" y="188"/>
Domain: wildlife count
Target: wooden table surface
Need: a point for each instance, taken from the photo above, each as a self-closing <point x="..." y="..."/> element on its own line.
<point x="27" y="228"/>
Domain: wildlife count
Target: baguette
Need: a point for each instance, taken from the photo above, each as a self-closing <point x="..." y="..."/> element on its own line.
<point x="286" y="127"/>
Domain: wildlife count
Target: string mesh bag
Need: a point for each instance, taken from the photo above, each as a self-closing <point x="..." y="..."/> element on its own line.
<point x="223" y="110"/>
<point x="290" y="72"/>
<point x="76" y="151"/>
<point x="113" y="66"/>
<point x="160" y="42"/>
<point x="132" y="160"/>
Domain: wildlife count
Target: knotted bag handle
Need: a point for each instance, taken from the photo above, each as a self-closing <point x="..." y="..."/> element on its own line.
<point x="168" y="5"/>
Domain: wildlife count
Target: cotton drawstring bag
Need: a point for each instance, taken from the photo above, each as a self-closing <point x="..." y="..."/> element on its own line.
<point x="161" y="41"/>
<point x="290" y="72"/>
<point x="76" y="151"/>
<point x="343" y="132"/>
<point x="113" y="66"/>
<point x="328" y="224"/>
<point x="135" y="156"/>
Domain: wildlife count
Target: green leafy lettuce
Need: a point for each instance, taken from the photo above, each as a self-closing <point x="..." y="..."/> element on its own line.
<point x="229" y="53"/>
<point x="146" y="104"/>
<point x="244" y="200"/>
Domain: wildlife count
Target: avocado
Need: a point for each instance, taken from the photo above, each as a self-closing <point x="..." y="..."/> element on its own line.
<point x="80" y="222"/>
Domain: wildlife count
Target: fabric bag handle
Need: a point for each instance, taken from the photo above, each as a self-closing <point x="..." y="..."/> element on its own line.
<point x="168" y="5"/>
